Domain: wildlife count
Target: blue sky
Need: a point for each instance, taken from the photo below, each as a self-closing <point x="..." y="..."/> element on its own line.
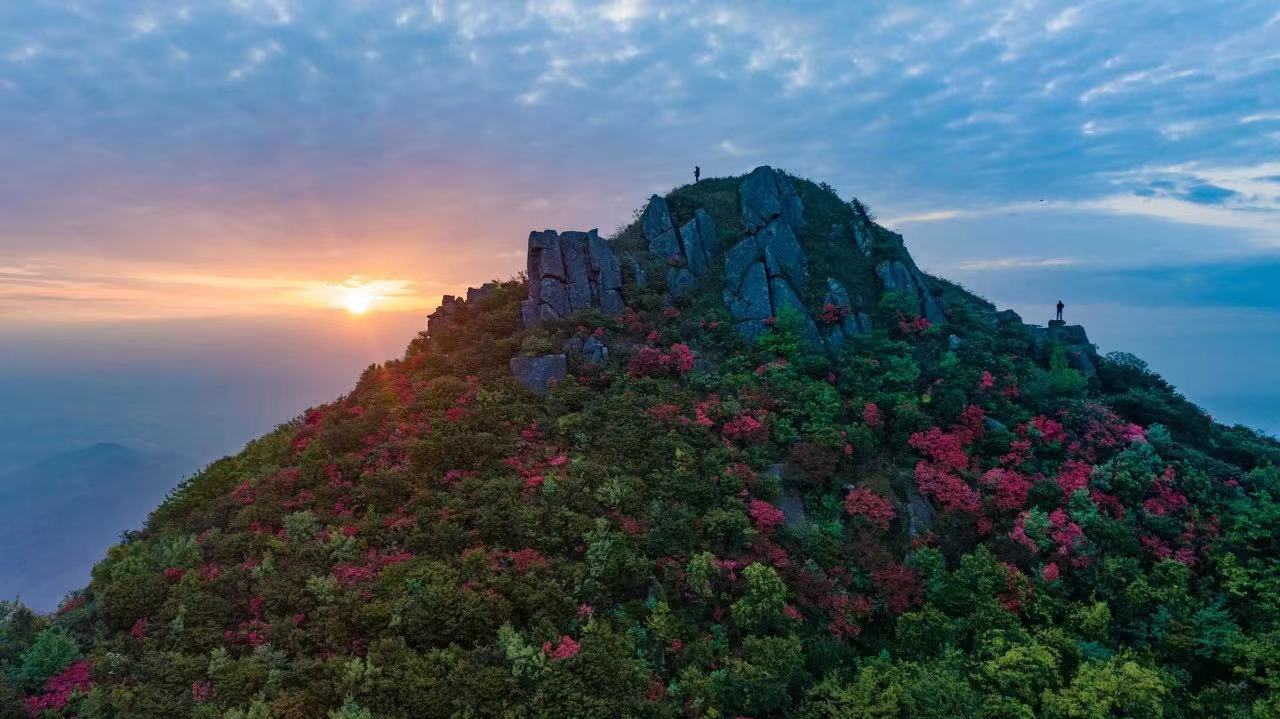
<point x="178" y="162"/>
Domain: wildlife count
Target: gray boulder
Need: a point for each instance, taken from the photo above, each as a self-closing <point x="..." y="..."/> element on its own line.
<point x="1081" y="354"/>
<point x="862" y="239"/>
<point x="577" y="269"/>
<point x="919" y="510"/>
<point x="776" y="239"/>
<point x="478" y="293"/>
<point x="904" y="277"/>
<point x="851" y="322"/>
<point x="766" y="271"/>
<point x="590" y="349"/>
<point x="740" y="257"/>
<point x="1004" y="318"/>
<point x="659" y="229"/>
<point x="792" y="505"/>
<point x="679" y="281"/>
<point x="749" y="301"/>
<point x="545" y="258"/>
<point x="447" y="312"/>
<point x="569" y="272"/>
<point x="1078" y="358"/>
<point x="686" y="249"/>
<point x="894" y="277"/>
<point x="698" y="239"/>
<point x="765" y="195"/>
<point x="538" y="374"/>
<point x="932" y="307"/>
<point x="443" y="314"/>
<point x="638" y="275"/>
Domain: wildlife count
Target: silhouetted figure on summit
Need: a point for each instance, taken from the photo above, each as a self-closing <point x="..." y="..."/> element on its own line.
<point x="1060" y="306"/>
<point x="697" y="173"/>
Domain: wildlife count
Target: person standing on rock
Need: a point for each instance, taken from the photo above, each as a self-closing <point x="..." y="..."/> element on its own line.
<point x="697" y="174"/>
<point x="1060" y="306"/>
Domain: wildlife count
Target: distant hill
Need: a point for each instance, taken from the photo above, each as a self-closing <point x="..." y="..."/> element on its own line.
<point x="742" y="458"/>
<point x="91" y="495"/>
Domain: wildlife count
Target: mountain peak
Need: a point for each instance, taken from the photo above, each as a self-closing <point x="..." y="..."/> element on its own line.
<point x="741" y="458"/>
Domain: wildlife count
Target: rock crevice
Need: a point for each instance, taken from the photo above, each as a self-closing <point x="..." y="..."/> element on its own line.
<point x="903" y="276"/>
<point x="766" y="271"/>
<point x="570" y="271"/>
<point x="687" y="251"/>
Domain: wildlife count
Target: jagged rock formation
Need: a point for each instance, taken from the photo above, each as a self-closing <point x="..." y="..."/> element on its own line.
<point x="767" y="195"/>
<point x="538" y="374"/>
<point x="590" y="349"/>
<point x="902" y="275"/>
<point x="862" y="229"/>
<point x="687" y="250"/>
<point x="568" y="272"/>
<point x="766" y="271"/>
<point x="1081" y="354"/>
<point x="843" y="319"/>
<point x="450" y="305"/>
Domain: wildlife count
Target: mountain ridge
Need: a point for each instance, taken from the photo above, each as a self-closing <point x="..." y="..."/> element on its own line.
<point x="720" y="463"/>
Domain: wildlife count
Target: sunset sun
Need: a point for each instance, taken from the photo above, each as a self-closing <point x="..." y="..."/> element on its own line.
<point x="359" y="296"/>
<point x="357" y="300"/>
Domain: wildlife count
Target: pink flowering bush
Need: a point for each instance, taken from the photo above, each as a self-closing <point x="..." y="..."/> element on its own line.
<point x="862" y="502"/>
<point x="567" y="648"/>
<point x="653" y="362"/>
<point x="76" y="678"/>
<point x="745" y="427"/>
<point x="765" y="516"/>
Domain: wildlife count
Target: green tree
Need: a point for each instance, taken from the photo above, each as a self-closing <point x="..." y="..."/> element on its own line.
<point x="51" y="652"/>
<point x="1119" y="687"/>
<point x="764" y="600"/>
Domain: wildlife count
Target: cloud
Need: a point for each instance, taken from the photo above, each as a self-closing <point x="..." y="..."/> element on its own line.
<point x="1016" y="263"/>
<point x="88" y="290"/>
<point x="282" y="133"/>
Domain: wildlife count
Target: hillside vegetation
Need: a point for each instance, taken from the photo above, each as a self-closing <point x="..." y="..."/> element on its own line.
<point x="937" y="521"/>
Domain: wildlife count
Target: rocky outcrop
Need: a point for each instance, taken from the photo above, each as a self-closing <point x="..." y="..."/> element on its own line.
<point x="1005" y="318"/>
<point x="792" y="505"/>
<point x="903" y="276"/>
<point x="687" y="251"/>
<point x="766" y="270"/>
<point x="449" y="307"/>
<point x="590" y="349"/>
<point x="1081" y="354"/>
<point x="475" y="294"/>
<point x="919" y="512"/>
<point x="792" y="500"/>
<point x="862" y="228"/>
<point x="842" y="319"/>
<point x="568" y="272"/>
<point x="538" y="374"/>
<point x="659" y="229"/>
<point x="766" y="195"/>
<point x="443" y="315"/>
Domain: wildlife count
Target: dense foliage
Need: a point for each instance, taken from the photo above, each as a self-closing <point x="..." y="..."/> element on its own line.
<point x="967" y="533"/>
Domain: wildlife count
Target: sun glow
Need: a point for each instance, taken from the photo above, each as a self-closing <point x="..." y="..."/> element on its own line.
<point x="358" y="296"/>
<point x="357" y="300"/>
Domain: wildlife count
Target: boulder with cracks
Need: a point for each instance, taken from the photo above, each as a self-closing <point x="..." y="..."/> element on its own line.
<point x="686" y="250"/>
<point x="568" y="272"/>
<point x="766" y="271"/>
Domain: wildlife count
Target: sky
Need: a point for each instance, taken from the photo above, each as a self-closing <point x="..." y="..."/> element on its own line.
<point x="195" y="196"/>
